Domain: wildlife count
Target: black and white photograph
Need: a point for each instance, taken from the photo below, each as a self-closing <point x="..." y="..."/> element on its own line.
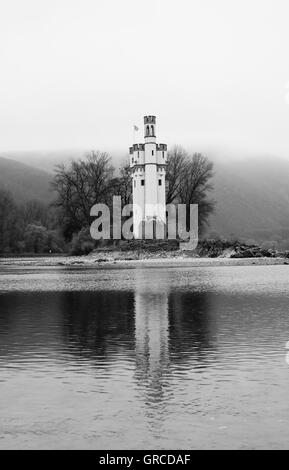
<point x="144" y="228"/>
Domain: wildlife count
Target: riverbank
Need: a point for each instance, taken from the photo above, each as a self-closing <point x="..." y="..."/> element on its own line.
<point x="161" y="253"/>
<point x="97" y="261"/>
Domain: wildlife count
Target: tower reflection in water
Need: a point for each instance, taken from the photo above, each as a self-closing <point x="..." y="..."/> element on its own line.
<point x="174" y="341"/>
<point x="152" y="337"/>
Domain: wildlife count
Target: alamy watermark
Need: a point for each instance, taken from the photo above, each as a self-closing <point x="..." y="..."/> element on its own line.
<point x="179" y="221"/>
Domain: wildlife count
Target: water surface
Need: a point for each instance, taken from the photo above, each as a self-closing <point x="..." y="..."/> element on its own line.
<point x="144" y="358"/>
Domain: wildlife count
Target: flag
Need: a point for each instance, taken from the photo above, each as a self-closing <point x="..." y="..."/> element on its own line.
<point x="135" y="128"/>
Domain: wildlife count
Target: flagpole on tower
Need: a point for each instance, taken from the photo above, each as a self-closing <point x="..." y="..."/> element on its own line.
<point x="135" y="128"/>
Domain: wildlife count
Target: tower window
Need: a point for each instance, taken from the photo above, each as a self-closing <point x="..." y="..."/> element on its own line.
<point x="142" y="182"/>
<point x="163" y="154"/>
<point x="152" y="152"/>
<point x="160" y="182"/>
<point x="152" y="128"/>
<point x="147" y="130"/>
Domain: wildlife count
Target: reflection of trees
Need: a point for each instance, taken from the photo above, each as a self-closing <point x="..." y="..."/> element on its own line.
<point x="156" y="327"/>
<point x="88" y="325"/>
<point x="98" y="324"/>
<point x="159" y="327"/>
<point x="28" y="323"/>
<point x="190" y="325"/>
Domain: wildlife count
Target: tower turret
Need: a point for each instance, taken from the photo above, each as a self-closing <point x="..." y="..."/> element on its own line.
<point x="150" y="128"/>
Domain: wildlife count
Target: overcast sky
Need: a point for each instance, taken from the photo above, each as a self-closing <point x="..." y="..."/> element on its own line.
<point x="80" y="73"/>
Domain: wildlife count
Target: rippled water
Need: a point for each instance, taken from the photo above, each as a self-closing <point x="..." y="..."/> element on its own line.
<point x="144" y="358"/>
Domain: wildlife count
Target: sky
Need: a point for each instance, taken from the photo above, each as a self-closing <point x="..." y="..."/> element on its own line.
<point x="80" y="73"/>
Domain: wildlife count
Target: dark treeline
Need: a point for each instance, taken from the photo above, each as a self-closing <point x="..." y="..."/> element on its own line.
<point x="30" y="227"/>
<point x="63" y="226"/>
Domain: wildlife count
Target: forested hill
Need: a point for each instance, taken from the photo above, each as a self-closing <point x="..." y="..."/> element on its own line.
<point x="25" y="182"/>
<point x="252" y="199"/>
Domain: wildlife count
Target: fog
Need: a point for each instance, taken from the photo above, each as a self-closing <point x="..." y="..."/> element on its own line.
<point x="79" y="74"/>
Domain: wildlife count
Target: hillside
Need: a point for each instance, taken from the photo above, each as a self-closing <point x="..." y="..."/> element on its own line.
<point x="252" y="199"/>
<point x="47" y="160"/>
<point x="25" y="182"/>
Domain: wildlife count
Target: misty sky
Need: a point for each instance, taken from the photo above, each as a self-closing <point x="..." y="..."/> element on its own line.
<point x="80" y="73"/>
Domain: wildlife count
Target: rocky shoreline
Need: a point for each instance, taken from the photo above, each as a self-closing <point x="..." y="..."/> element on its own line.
<point x="138" y="253"/>
<point x="205" y="249"/>
<point x="236" y="249"/>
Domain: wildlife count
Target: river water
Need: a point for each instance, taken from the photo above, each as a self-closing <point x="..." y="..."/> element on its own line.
<point x="178" y="357"/>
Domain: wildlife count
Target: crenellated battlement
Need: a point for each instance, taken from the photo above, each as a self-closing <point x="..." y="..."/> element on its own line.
<point x="136" y="148"/>
<point x="162" y="147"/>
<point x="149" y="119"/>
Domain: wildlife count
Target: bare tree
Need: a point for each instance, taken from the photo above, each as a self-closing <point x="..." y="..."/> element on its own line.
<point x="84" y="183"/>
<point x="189" y="181"/>
<point x="123" y="184"/>
<point x="35" y="211"/>
<point x="177" y="160"/>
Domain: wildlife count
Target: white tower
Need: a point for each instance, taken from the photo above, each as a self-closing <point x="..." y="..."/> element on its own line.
<point x="148" y="169"/>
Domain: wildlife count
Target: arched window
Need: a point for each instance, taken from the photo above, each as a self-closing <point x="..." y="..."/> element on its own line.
<point x="148" y="131"/>
<point x="152" y="128"/>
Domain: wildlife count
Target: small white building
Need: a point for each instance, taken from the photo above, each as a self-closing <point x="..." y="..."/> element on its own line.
<point x="148" y="169"/>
